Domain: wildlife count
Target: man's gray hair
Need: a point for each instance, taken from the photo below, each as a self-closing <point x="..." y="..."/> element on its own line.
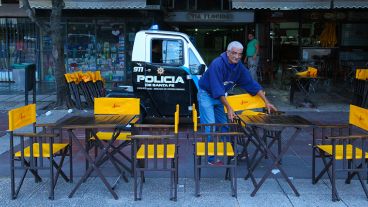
<point x="234" y="44"/>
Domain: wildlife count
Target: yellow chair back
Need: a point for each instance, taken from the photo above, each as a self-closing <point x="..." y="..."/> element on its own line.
<point x="195" y="118"/>
<point x="127" y="106"/>
<point x="22" y="116"/>
<point x="358" y="117"/>
<point x="311" y="72"/>
<point x="245" y="101"/>
<point x="361" y="74"/>
<point x="176" y="117"/>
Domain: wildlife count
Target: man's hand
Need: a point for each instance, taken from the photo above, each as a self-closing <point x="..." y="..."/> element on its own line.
<point x="270" y="108"/>
<point x="255" y="57"/>
<point x="230" y="114"/>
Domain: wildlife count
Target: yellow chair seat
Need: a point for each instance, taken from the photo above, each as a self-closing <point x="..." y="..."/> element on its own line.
<point x="123" y="136"/>
<point x="45" y="150"/>
<point x="340" y="152"/>
<point x="170" y="151"/>
<point x="200" y="149"/>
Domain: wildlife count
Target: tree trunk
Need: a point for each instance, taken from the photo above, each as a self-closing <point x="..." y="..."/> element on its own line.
<point x="58" y="51"/>
<point x="55" y="30"/>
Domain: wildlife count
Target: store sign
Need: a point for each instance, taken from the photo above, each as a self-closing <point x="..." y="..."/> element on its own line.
<point x="232" y="17"/>
<point x="210" y="16"/>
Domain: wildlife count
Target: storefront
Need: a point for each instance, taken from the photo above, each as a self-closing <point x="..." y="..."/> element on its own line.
<point x="98" y="36"/>
<point x="331" y="35"/>
<point x="210" y="32"/>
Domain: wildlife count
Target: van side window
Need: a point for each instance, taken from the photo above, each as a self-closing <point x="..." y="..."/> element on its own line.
<point x="167" y="51"/>
<point x="156" y="51"/>
<point x="193" y="61"/>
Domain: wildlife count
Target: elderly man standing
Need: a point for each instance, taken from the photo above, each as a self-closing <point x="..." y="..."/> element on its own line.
<point x="225" y="72"/>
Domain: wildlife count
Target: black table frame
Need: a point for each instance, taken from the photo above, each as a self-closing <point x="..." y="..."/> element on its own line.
<point x="73" y="123"/>
<point x="253" y="124"/>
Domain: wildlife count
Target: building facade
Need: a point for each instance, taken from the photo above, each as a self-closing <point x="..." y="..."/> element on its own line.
<point x="99" y="35"/>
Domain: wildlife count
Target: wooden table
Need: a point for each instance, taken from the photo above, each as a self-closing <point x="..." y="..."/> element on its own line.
<point x="277" y="123"/>
<point x="90" y="123"/>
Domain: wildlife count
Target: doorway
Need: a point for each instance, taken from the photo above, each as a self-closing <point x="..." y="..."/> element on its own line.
<point x="211" y="41"/>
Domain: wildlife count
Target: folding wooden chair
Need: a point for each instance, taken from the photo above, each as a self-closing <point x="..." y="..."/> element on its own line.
<point x="33" y="149"/>
<point x="305" y="82"/>
<point x="124" y="106"/>
<point x="155" y="148"/>
<point x="336" y="144"/>
<point x="213" y="140"/>
<point x="246" y="104"/>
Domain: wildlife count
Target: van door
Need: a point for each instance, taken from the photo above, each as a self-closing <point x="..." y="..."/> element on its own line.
<point x="165" y="81"/>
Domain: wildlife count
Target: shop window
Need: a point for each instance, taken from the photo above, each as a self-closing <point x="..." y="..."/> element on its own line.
<point x="153" y="2"/>
<point x="10" y="1"/>
<point x="110" y="50"/>
<point x="209" y="5"/>
<point x="80" y="46"/>
<point x="285" y="45"/>
<point x="180" y="4"/>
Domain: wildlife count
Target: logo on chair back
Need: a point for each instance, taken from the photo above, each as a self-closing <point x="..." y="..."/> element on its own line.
<point x="22" y="116"/>
<point x="244" y="102"/>
<point x="361" y="118"/>
<point x="116" y="106"/>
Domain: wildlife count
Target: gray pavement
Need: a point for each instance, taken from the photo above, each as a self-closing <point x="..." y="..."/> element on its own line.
<point x="214" y="192"/>
<point x="332" y="107"/>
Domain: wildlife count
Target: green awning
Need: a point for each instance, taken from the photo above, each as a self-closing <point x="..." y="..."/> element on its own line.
<point x="350" y="4"/>
<point x="281" y="4"/>
<point x="91" y="4"/>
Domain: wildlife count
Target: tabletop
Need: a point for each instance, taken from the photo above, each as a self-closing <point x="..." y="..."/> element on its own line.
<point x="96" y="121"/>
<point x="276" y="120"/>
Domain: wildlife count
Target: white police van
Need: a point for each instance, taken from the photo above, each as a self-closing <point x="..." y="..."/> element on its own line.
<point x="165" y="70"/>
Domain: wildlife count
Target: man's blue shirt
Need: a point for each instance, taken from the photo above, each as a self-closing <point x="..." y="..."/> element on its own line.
<point x="222" y="76"/>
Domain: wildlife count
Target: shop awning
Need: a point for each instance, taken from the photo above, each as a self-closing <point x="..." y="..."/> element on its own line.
<point x="350" y="4"/>
<point x="281" y="4"/>
<point x="91" y="4"/>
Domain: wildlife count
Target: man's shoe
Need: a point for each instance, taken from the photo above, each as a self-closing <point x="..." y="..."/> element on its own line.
<point x="216" y="163"/>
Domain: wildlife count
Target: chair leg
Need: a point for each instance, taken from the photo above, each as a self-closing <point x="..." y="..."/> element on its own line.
<point x="172" y="181"/>
<point x="231" y="178"/>
<point x="234" y="182"/>
<point x="52" y="183"/>
<point x="363" y="185"/>
<point x="20" y="183"/>
<point x="12" y="179"/>
<point x="36" y="171"/>
<point x="141" y="185"/>
<point x="335" y="196"/>
<point x="313" y="165"/>
<point x="70" y="163"/>
<point x="350" y="176"/>
<point x="200" y="169"/>
<point x="135" y="184"/>
<point x="176" y="178"/>
<point x="227" y="173"/>
<point x="196" y="175"/>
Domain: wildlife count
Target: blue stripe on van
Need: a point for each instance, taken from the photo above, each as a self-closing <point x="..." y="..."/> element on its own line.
<point x="194" y="77"/>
